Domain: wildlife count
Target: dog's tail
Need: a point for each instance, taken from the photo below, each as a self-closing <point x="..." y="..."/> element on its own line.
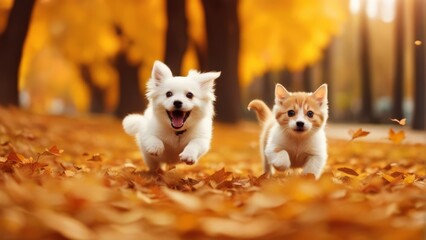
<point x="262" y="111"/>
<point x="132" y="123"/>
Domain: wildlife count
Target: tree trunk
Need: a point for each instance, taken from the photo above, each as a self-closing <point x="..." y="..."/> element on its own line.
<point x="97" y="94"/>
<point x="398" y="88"/>
<point x="366" y="114"/>
<point x="130" y="97"/>
<point x="307" y="79"/>
<point x="11" y="46"/>
<point x="419" y="118"/>
<point x="223" y="37"/>
<point x="176" y="36"/>
<point x="326" y="76"/>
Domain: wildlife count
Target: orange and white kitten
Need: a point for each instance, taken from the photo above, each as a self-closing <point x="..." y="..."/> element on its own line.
<point x="293" y="132"/>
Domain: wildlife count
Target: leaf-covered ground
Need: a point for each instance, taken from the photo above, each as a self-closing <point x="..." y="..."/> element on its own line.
<point x="83" y="178"/>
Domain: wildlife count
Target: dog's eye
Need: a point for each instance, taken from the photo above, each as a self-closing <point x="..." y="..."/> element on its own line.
<point x="189" y="95"/>
<point x="169" y="94"/>
<point x="310" y="114"/>
<point x="291" y="113"/>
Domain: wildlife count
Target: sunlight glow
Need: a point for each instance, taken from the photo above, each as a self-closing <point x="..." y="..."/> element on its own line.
<point x="355" y="6"/>
<point x="417" y="42"/>
<point x="387" y="10"/>
<point x="372" y="8"/>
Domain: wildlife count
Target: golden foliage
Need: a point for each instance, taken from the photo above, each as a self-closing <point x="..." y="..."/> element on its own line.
<point x="358" y="133"/>
<point x="286" y="34"/>
<point x="97" y="187"/>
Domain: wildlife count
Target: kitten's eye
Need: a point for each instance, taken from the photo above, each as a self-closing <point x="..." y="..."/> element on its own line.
<point x="291" y="113"/>
<point x="189" y="95"/>
<point x="169" y="94"/>
<point x="310" y="114"/>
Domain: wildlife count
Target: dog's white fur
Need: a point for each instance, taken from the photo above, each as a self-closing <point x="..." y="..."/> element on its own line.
<point x="157" y="139"/>
<point x="281" y="146"/>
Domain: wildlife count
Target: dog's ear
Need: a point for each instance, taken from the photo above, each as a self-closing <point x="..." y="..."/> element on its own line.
<point x="321" y="94"/>
<point x="206" y="79"/>
<point x="281" y="92"/>
<point x="160" y="71"/>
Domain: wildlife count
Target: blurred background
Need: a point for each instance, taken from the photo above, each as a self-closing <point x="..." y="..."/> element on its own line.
<point x="94" y="56"/>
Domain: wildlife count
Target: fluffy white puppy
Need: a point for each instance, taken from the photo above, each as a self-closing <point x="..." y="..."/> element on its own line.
<point x="177" y="124"/>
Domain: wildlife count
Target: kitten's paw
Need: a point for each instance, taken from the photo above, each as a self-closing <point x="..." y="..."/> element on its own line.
<point x="155" y="148"/>
<point x="188" y="156"/>
<point x="281" y="161"/>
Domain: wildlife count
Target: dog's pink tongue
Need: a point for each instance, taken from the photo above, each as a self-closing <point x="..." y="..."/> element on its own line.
<point x="177" y="119"/>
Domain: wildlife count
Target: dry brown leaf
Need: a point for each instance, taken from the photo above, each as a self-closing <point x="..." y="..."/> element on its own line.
<point x="396" y="137"/>
<point x="358" y="133"/>
<point x="349" y="171"/>
<point x="401" y="122"/>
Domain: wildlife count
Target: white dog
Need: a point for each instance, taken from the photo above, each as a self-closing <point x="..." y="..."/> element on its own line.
<point x="177" y="124"/>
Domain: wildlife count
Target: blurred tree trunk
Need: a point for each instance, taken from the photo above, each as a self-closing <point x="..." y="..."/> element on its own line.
<point x="307" y="79"/>
<point x="176" y="36"/>
<point x="130" y="98"/>
<point x="398" y="88"/>
<point x="11" y="47"/>
<point x="366" y="114"/>
<point x="419" y="118"/>
<point x="223" y="38"/>
<point x="97" y="94"/>
<point x="326" y="75"/>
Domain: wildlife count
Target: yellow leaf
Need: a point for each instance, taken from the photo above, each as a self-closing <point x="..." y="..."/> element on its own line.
<point x="396" y="137"/>
<point x="401" y="122"/>
<point x="409" y="178"/>
<point x="358" y="133"/>
<point x="349" y="171"/>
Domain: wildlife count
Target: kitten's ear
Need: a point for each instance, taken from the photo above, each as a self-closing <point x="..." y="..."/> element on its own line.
<point x="281" y="92"/>
<point x="160" y="71"/>
<point x="321" y="93"/>
<point x="206" y="79"/>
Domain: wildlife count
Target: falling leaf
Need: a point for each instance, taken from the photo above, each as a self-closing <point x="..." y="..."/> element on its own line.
<point x="401" y="122"/>
<point x="396" y="137"/>
<point x="358" y="133"/>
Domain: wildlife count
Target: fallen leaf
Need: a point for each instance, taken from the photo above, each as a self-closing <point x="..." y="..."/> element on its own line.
<point x="349" y="171"/>
<point x="401" y="122"/>
<point x="187" y="201"/>
<point x="409" y="178"/>
<point x="67" y="226"/>
<point x="54" y="150"/>
<point x="396" y="137"/>
<point x="358" y="133"/>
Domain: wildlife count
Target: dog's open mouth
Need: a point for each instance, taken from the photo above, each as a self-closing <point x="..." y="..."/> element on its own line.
<point x="178" y="118"/>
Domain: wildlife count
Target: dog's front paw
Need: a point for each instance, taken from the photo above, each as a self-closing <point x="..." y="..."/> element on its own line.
<point x="155" y="148"/>
<point x="188" y="156"/>
<point x="281" y="161"/>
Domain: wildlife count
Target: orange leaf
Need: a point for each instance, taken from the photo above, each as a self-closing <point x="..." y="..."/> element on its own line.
<point x="54" y="150"/>
<point x="409" y="178"/>
<point x="15" y="157"/>
<point x="358" y="133"/>
<point x="349" y="171"/>
<point x="401" y="122"/>
<point x="396" y="137"/>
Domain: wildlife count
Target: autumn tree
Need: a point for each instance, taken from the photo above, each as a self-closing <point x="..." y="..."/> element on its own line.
<point x="223" y="43"/>
<point x="419" y="119"/>
<point x="11" y="48"/>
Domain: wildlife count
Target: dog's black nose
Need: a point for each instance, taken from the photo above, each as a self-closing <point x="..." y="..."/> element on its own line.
<point x="300" y="124"/>
<point x="177" y="104"/>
